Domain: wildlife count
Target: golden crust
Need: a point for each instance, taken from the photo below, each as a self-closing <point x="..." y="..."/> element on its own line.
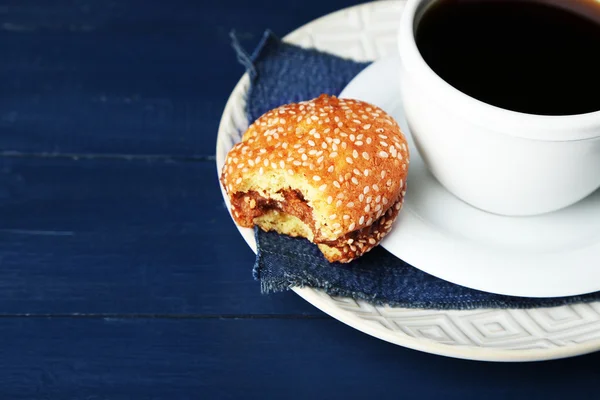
<point x="347" y="158"/>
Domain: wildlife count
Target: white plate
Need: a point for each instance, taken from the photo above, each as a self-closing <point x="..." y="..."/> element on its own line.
<point x="550" y="255"/>
<point x="368" y="32"/>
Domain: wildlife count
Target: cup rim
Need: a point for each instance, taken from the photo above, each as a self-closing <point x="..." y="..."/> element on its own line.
<point x="573" y="127"/>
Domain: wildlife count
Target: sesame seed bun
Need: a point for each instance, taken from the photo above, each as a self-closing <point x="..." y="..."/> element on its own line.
<point x="330" y="170"/>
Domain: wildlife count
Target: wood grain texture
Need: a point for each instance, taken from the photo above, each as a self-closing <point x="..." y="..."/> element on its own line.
<point x="243" y="359"/>
<point x="126" y="77"/>
<point x="118" y="236"/>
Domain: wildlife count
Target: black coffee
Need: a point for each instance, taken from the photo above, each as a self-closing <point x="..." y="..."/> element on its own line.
<point x="522" y="55"/>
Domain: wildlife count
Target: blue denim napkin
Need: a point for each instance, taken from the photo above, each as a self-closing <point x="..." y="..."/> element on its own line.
<point x="281" y="73"/>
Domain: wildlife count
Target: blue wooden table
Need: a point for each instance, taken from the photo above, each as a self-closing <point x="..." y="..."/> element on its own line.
<point x="121" y="273"/>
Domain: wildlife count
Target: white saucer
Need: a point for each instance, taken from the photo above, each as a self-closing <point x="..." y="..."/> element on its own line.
<point x="368" y="32"/>
<point x="551" y="255"/>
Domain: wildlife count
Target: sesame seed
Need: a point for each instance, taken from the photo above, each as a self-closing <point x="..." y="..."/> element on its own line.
<point x="352" y="137"/>
<point x="282" y="164"/>
<point x="322" y="187"/>
<point x="291" y="172"/>
<point x="273" y="165"/>
<point x="357" y="172"/>
<point x="297" y="163"/>
<point x="389" y="182"/>
<point x="311" y="143"/>
<point x="333" y="154"/>
<point x="344" y="145"/>
<point x="367" y="172"/>
<point x="367" y="208"/>
<point x="378" y="207"/>
<point x="365" y="155"/>
<point x="262" y="151"/>
<point x="384" y="201"/>
<point x="369" y="199"/>
<point x="369" y="140"/>
<point x="299" y="118"/>
<point x="338" y="203"/>
<point x="316" y="178"/>
<point x="324" y="145"/>
<point x="369" y="221"/>
<point x="266" y="162"/>
<point x="332" y="216"/>
<point x="336" y="141"/>
<point x="336" y="225"/>
<point x="378" y="198"/>
<point x="367" y="126"/>
<point x="361" y="220"/>
<point x="366" y="190"/>
<point x="238" y="181"/>
<point x="261" y="171"/>
<point x="336" y="184"/>
<point x="355" y="153"/>
<point x="330" y="169"/>
<point x="383" y="154"/>
<point x="304" y="157"/>
<point x="312" y="152"/>
<point x="382" y="174"/>
<point x="317" y="135"/>
<point x="383" y="136"/>
<point x="352" y="226"/>
<point x="384" y="144"/>
<point x="314" y="117"/>
<point x="372" y="241"/>
<point x="361" y="197"/>
<point x="312" y="131"/>
<point x="284" y="145"/>
<point x="358" y="143"/>
<point x="354" y="180"/>
<point x="320" y="160"/>
<point x="334" y="147"/>
<point x="329" y="200"/>
<point x="348" y="160"/>
<point x="301" y="150"/>
<point x="375" y="187"/>
<point x="350" y="205"/>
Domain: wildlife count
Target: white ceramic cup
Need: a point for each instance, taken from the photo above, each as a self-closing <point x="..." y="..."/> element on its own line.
<point x="497" y="160"/>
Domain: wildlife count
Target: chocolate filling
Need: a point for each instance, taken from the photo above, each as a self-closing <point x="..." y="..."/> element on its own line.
<point x="253" y="205"/>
